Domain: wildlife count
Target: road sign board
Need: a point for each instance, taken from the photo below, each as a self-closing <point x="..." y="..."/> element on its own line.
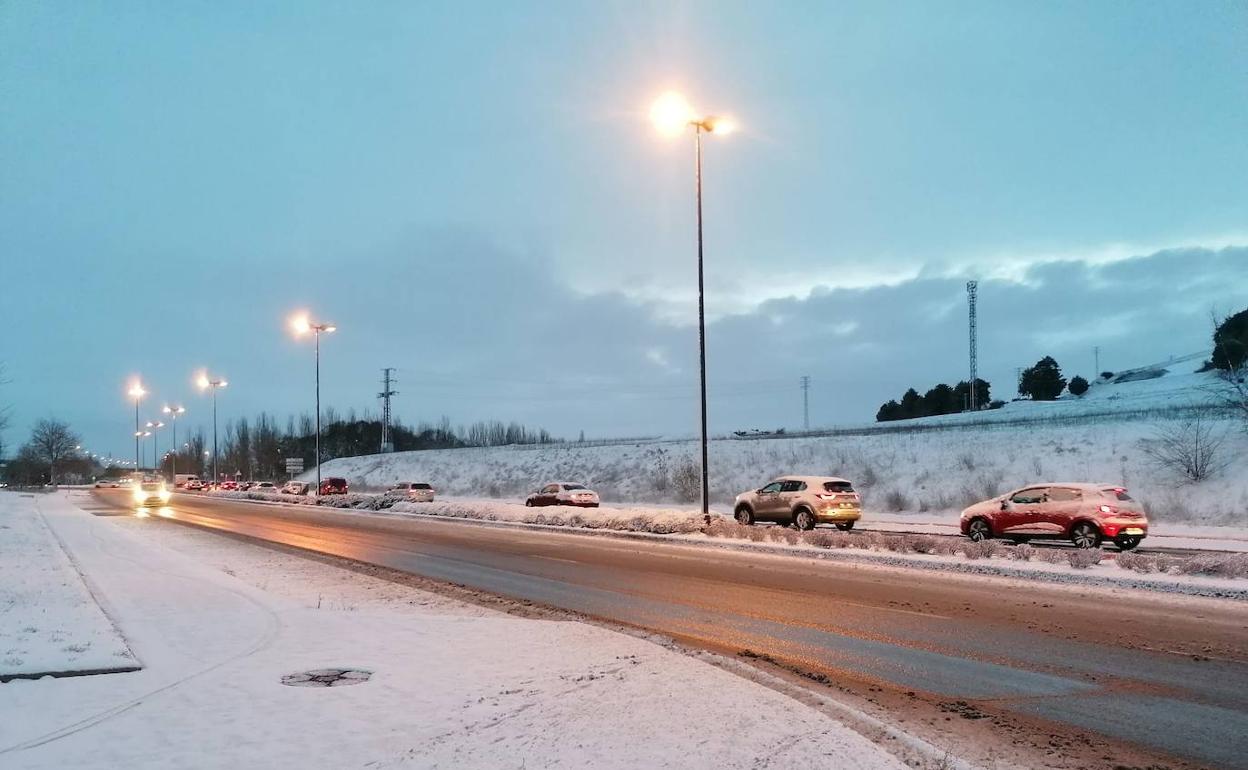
<point x="294" y="463"/>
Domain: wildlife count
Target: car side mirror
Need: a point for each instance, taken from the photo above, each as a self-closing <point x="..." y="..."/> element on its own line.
<point x="1005" y="505"/>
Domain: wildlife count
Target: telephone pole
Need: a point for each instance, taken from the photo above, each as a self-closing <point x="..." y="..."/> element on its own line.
<point x="387" y="442"/>
<point x="1096" y="353"/>
<point x="806" y="403"/>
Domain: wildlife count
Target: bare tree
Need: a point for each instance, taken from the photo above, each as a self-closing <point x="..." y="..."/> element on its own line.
<point x="1191" y="448"/>
<point x="51" y="442"/>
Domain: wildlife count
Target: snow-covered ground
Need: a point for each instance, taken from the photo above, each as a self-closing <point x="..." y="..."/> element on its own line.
<point x="49" y="621"/>
<point x="218" y="623"/>
<point x="919" y="472"/>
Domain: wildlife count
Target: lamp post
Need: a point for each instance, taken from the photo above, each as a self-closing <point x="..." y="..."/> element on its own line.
<point x="173" y="412"/>
<point x="155" y="426"/>
<point x="204" y="381"/>
<point x="137" y="393"/>
<point x="672" y="115"/>
<point x="138" y="435"/>
<point x="302" y="325"/>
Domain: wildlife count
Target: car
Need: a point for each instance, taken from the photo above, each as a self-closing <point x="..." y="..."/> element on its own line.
<point x="263" y="486"/>
<point x="295" y="488"/>
<point x="107" y="483"/>
<point x="151" y="493"/>
<point x="563" y="493"/>
<point x="228" y="486"/>
<point x="803" y="501"/>
<point x="194" y="485"/>
<point x="334" y="485"/>
<point x="1085" y="514"/>
<point x="415" y="491"/>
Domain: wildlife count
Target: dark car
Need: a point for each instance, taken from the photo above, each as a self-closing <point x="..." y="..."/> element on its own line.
<point x="333" y="486"/>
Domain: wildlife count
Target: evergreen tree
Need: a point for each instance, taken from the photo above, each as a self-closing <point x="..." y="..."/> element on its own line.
<point x="1042" y="382"/>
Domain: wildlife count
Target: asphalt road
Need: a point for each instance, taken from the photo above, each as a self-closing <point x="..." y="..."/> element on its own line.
<point x="1099" y="675"/>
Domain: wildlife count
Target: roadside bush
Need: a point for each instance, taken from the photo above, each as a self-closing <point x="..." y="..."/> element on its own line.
<point x="687" y="481"/>
<point x="1192" y="449"/>
<point x="985" y="549"/>
<point x="896" y="501"/>
<point x="1136" y="562"/>
<point x="1083" y="558"/>
<point x="1023" y="552"/>
<point x="1050" y="555"/>
<point x="1216" y="565"/>
<point x="923" y="544"/>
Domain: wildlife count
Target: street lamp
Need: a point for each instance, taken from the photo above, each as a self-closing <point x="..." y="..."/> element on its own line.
<point x="173" y="412"/>
<point x="672" y="116"/>
<point x="204" y="381"/>
<point x="301" y="325"/>
<point x="137" y="393"/>
<point x="140" y="434"/>
<point x="155" y="426"/>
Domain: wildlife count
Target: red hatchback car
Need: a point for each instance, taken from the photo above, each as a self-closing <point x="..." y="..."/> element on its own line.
<point x="1085" y="514"/>
<point x="333" y="486"/>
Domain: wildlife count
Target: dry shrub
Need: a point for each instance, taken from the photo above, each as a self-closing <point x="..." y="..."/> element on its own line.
<point x="1050" y="555"/>
<point x="1023" y="552"/>
<point x="786" y="535"/>
<point x="1083" y="558"/>
<point x="757" y="534"/>
<point x="1136" y="562"/>
<point x="924" y="544"/>
<point x="1216" y="565"/>
<point x="896" y="501"/>
<point x="896" y="543"/>
<point x="985" y="549"/>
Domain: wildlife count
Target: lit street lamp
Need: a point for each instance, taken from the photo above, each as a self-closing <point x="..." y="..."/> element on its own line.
<point x="155" y="426"/>
<point x="301" y="325"/>
<point x="204" y="381"/>
<point x="672" y="116"/>
<point x="137" y="393"/>
<point x="173" y="412"/>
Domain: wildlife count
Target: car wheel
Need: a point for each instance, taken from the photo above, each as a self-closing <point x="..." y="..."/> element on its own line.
<point x="1085" y="535"/>
<point x="744" y="515"/>
<point x="979" y="530"/>
<point x="845" y="526"/>
<point x="528" y="503"/>
<point x="1127" y="542"/>
<point x="804" y="519"/>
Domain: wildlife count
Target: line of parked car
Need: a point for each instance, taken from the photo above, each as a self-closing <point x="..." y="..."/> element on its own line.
<point x="1085" y="514"/>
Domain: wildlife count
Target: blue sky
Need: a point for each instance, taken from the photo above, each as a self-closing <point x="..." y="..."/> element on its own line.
<point x="472" y="192"/>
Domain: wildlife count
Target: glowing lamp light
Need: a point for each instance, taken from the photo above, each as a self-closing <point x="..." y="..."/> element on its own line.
<point x="300" y="324"/>
<point x="671" y="114"/>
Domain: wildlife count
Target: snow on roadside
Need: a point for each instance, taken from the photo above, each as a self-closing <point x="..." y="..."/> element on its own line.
<point x="49" y="622"/>
<point x="451" y="686"/>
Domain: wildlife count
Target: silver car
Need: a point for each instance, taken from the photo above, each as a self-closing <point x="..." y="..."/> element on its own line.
<point x="415" y="491"/>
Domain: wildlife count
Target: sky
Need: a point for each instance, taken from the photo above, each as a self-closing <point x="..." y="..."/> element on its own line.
<point x="473" y="193"/>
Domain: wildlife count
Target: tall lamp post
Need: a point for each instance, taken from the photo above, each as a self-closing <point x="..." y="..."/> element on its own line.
<point x="216" y="384"/>
<point x="138" y="436"/>
<point x="154" y="426"/>
<point x="302" y="325"/>
<point x="672" y="116"/>
<point x="173" y="412"/>
<point x="137" y="393"/>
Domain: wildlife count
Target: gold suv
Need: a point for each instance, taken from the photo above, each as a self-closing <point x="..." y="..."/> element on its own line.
<point x="802" y="501"/>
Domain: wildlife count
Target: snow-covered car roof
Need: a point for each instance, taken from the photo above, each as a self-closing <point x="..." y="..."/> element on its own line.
<point x="813" y="479"/>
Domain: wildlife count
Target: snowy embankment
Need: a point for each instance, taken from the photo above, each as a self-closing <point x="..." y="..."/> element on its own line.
<point x="447" y="684"/>
<point x="934" y="472"/>
<point x="49" y="621"/>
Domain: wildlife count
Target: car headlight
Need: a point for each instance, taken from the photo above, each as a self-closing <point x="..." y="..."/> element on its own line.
<point x="164" y="495"/>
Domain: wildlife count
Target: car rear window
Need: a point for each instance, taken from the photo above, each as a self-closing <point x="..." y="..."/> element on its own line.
<point x="1119" y="493"/>
<point x="1063" y="495"/>
<point x="838" y="486"/>
<point x="573" y="486"/>
<point x="421" y="486"/>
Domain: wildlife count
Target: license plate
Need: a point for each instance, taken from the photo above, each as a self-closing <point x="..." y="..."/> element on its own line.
<point x="1133" y="531"/>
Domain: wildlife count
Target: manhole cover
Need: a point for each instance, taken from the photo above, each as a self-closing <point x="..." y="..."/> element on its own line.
<point x="327" y="677"/>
